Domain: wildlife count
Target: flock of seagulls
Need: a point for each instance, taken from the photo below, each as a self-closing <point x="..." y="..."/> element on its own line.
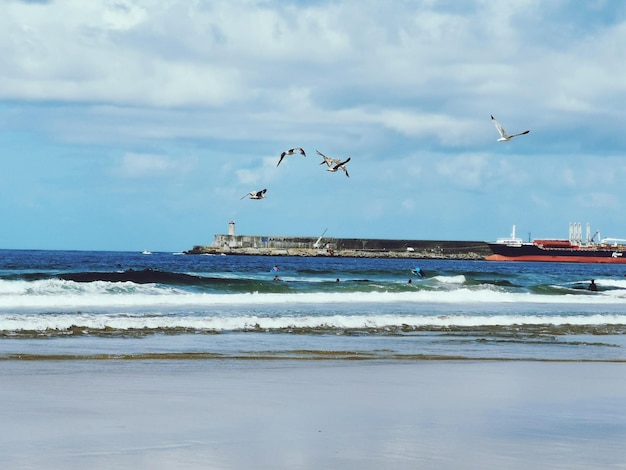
<point x="334" y="164"/>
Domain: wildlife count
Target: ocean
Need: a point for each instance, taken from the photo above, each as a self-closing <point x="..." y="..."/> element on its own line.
<point x="126" y="305"/>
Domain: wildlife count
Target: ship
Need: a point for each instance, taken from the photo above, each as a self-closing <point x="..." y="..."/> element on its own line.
<point x="571" y="250"/>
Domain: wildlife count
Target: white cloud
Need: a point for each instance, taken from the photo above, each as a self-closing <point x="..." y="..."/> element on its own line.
<point x="447" y="129"/>
<point x="466" y="171"/>
<point x="405" y="89"/>
<point x="409" y="205"/>
<point x="598" y="200"/>
<point x="246" y="176"/>
<point x="136" y="165"/>
<point x="123" y="15"/>
<point x="422" y="69"/>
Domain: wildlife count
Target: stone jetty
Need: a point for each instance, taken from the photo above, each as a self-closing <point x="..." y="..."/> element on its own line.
<point x="232" y="244"/>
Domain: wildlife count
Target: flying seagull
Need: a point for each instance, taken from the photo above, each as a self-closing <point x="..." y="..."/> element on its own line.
<point x="329" y="161"/>
<point x="291" y="152"/>
<point x="340" y="166"/>
<point x="256" y="194"/>
<point x="503" y="135"/>
<point x="334" y="164"/>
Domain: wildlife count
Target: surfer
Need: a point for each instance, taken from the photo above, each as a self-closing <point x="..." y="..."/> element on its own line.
<point x="276" y="278"/>
<point x="592" y="286"/>
<point x="418" y="271"/>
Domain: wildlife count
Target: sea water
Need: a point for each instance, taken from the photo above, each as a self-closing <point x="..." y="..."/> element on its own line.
<point x="101" y="305"/>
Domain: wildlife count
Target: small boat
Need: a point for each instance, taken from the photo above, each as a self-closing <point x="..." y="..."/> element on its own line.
<point x="571" y="250"/>
<point x="146" y="252"/>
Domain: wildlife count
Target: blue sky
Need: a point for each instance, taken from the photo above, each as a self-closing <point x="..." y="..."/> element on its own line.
<point x="131" y="125"/>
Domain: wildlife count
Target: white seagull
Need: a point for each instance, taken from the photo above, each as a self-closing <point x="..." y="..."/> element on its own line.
<point x="291" y="152"/>
<point x="334" y="164"/>
<point x="503" y="135"/>
<point x="329" y="161"/>
<point x="256" y="194"/>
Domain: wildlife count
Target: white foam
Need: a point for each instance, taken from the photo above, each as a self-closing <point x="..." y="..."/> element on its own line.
<point x="63" y="322"/>
<point x="51" y="296"/>
<point x="617" y="283"/>
<point x="57" y="287"/>
<point x="458" y="279"/>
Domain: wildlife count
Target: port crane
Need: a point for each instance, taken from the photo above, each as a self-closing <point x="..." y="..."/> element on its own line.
<point x="316" y="245"/>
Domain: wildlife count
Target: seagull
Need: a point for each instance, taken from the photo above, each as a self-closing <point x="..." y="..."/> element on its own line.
<point x="340" y="166"/>
<point x="329" y="161"/>
<point x="334" y="164"/>
<point x="291" y="152"/>
<point x="503" y="135"/>
<point x="256" y="194"/>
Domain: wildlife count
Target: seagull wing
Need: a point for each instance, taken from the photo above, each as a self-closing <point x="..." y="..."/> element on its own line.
<point x="500" y="128"/>
<point x="340" y="164"/>
<point x="521" y="133"/>
<point x="344" y="168"/>
<point x="327" y="160"/>
<point x="301" y="150"/>
<point x="282" y="155"/>
<point x="246" y="195"/>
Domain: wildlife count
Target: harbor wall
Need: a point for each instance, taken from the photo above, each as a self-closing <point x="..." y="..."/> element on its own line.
<point x="355" y="247"/>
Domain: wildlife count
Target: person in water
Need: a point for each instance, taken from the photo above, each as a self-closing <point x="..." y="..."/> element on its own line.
<point x="276" y="278"/>
<point x="418" y="272"/>
<point x="593" y="287"/>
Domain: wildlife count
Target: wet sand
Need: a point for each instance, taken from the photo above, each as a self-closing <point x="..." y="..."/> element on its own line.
<point x="78" y="414"/>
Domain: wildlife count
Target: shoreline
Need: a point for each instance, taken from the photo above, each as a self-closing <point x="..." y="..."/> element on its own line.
<point x="268" y="358"/>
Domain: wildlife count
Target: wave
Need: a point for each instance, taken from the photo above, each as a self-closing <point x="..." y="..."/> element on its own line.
<point x="107" y="324"/>
<point x="615" y="283"/>
<point x="154" y="289"/>
<point x="457" y="279"/>
<point x="144" y="276"/>
<point x="49" y="296"/>
<point x="262" y="281"/>
<point x="137" y="276"/>
<point x="128" y="282"/>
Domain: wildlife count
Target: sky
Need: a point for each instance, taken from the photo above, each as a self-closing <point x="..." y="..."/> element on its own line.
<point x="132" y="125"/>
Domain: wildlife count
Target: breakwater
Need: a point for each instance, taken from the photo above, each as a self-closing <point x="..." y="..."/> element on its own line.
<point x="347" y="247"/>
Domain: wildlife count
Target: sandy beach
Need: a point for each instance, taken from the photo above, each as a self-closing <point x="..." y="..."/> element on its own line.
<point x="312" y="414"/>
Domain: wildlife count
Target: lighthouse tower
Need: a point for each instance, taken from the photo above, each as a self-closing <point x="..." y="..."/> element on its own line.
<point x="231" y="228"/>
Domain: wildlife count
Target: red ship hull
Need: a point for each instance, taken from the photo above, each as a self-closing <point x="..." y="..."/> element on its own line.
<point x="532" y="252"/>
<point x="558" y="259"/>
